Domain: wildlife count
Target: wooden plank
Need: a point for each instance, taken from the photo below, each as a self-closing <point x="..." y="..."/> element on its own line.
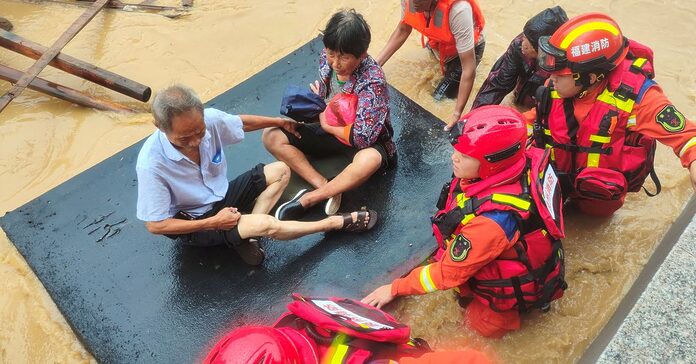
<point x="144" y="7"/>
<point x="42" y="62"/>
<point x="63" y="92"/>
<point x="76" y="67"/>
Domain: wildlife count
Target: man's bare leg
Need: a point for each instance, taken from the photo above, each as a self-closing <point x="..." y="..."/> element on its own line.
<point x="254" y="225"/>
<point x="277" y="177"/>
<point x="365" y="163"/>
<point x="277" y="143"/>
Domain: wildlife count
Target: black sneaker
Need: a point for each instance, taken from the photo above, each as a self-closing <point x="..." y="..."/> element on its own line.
<point x="292" y="209"/>
<point x="250" y="252"/>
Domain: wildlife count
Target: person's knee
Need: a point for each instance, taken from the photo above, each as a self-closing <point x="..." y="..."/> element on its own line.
<point x="369" y="158"/>
<point x="488" y="323"/>
<point x="277" y="172"/>
<point x="260" y="225"/>
<point x="273" y="137"/>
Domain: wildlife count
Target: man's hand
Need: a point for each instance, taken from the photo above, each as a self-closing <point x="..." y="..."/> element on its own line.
<point x="379" y="297"/>
<point x="290" y="126"/>
<point x="314" y="87"/>
<point x="692" y="172"/>
<point x="227" y="218"/>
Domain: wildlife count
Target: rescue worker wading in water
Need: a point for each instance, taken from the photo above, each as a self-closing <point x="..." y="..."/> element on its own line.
<point x="454" y="31"/>
<point x="498" y="226"/>
<point x="516" y="70"/>
<point x="602" y="113"/>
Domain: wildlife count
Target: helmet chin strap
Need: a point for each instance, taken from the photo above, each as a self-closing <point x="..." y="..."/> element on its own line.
<point x="583" y="79"/>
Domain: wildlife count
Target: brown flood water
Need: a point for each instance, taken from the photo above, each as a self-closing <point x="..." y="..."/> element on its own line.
<point x="44" y="141"/>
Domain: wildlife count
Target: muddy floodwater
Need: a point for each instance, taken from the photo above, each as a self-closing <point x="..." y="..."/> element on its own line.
<point x="45" y="141"/>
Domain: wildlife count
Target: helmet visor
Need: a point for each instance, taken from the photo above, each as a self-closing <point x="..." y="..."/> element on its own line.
<point x="550" y="58"/>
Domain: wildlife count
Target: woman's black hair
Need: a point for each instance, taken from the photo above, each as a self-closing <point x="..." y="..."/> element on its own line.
<point x="347" y="32"/>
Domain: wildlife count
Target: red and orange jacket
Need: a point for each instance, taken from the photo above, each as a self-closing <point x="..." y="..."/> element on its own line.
<point x="647" y="111"/>
<point x="489" y="234"/>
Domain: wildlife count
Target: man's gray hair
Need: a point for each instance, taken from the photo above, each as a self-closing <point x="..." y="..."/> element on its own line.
<point x="172" y="102"/>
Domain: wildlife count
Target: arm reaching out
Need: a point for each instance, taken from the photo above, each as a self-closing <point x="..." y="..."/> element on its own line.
<point x="396" y="40"/>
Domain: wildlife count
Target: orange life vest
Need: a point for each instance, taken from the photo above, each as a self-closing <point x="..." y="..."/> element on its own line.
<point x="437" y="28"/>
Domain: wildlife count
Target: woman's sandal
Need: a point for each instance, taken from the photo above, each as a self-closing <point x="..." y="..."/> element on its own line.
<point x="359" y="225"/>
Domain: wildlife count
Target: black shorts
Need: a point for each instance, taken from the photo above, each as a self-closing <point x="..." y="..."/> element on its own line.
<point x="241" y="193"/>
<point x="318" y="143"/>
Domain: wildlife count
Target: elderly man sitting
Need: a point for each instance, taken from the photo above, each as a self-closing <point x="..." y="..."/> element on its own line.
<point x="183" y="190"/>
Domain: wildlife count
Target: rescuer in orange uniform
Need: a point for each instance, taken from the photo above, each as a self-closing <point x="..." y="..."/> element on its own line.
<point x="602" y="112"/>
<point x="454" y="29"/>
<point x="495" y="243"/>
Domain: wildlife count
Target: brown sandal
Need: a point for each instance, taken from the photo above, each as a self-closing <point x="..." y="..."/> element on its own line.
<point x="359" y="225"/>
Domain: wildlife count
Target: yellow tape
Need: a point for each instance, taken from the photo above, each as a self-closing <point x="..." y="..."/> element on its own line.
<point x="586" y="28"/>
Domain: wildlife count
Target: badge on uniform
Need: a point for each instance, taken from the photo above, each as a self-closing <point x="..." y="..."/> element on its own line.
<point x="459" y="249"/>
<point x="671" y="119"/>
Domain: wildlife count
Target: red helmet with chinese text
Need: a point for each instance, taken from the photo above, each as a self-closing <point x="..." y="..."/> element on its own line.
<point x="494" y="135"/>
<point x="262" y="345"/>
<point x="590" y="42"/>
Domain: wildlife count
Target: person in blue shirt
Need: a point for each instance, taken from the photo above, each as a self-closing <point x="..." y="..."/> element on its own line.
<point x="183" y="191"/>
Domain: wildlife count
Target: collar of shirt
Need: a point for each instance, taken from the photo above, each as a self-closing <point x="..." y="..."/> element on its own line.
<point x="171" y="152"/>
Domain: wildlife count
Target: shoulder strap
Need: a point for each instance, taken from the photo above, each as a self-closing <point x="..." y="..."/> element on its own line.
<point x="543" y="97"/>
<point x="656" y="180"/>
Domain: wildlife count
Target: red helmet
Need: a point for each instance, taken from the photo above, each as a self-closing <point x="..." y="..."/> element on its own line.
<point x="263" y="345"/>
<point x="585" y="43"/>
<point x="494" y="135"/>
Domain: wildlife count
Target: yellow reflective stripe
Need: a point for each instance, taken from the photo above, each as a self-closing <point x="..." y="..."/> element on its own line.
<point x="337" y="352"/>
<point x="553" y="151"/>
<point x="511" y="200"/>
<point x="600" y="138"/>
<point x="691" y="143"/>
<point x="547" y="132"/>
<point x="555" y="95"/>
<point x="461" y="199"/>
<point x="593" y="159"/>
<point x="586" y="28"/>
<point x="631" y="121"/>
<point x="466" y="218"/>
<point x="639" y="62"/>
<point x="427" y="281"/>
<point x="530" y="130"/>
<point x="607" y="97"/>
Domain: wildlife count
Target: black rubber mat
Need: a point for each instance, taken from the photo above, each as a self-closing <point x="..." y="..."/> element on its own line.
<point x="135" y="297"/>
